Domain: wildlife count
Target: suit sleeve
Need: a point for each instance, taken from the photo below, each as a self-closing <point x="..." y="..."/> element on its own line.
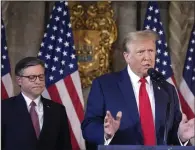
<point x="172" y="136"/>
<point x="92" y="126"/>
<point x="64" y="141"/>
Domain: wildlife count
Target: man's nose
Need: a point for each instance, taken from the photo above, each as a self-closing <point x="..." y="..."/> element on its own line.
<point x="147" y="55"/>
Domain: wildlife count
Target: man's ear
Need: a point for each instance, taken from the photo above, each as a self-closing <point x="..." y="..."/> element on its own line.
<point x="18" y="80"/>
<point x="126" y="56"/>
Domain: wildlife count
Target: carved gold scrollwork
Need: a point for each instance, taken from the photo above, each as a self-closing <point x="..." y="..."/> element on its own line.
<point x="94" y="32"/>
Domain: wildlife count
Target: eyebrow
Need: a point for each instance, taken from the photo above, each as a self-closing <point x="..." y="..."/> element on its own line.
<point x="33" y="75"/>
<point x="144" y="49"/>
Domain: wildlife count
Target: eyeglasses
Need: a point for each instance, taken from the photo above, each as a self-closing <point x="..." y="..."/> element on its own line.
<point x="33" y="78"/>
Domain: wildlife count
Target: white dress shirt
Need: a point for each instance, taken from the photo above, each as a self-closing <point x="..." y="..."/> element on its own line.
<point x="38" y="108"/>
<point x="136" y="87"/>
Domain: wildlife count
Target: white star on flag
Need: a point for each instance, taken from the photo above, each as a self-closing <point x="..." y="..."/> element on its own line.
<point x="62" y="70"/>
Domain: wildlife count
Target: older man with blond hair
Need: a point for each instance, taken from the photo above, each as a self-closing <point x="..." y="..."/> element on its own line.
<point x="139" y="103"/>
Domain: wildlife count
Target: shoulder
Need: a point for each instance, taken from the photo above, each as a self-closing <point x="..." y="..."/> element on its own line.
<point x="51" y="103"/>
<point x="10" y="104"/>
<point x="170" y="86"/>
<point x="109" y="77"/>
<point x="165" y="84"/>
<point x="8" y="101"/>
<point x="167" y="87"/>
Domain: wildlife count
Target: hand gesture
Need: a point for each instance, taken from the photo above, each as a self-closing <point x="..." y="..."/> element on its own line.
<point x="186" y="129"/>
<point x="111" y="125"/>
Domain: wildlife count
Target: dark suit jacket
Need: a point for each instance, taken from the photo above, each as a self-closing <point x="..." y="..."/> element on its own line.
<point x="114" y="92"/>
<point x="18" y="132"/>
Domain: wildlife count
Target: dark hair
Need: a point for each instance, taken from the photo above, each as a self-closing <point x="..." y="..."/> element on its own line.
<point x="27" y="62"/>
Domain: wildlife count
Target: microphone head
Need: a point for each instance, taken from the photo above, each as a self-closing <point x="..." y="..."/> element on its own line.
<point x="151" y="71"/>
<point x="155" y="75"/>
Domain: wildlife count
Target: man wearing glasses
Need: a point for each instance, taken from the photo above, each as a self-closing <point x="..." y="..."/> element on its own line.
<point x="29" y="121"/>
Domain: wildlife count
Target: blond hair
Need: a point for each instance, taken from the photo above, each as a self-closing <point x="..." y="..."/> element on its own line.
<point x="138" y="36"/>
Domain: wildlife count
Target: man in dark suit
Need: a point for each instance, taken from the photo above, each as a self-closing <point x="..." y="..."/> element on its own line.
<point x="29" y="121"/>
<point x="138" y="103"/>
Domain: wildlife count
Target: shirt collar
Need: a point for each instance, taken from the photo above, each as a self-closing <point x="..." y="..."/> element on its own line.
<point x="28" y="100"/>
<point x="134" y="78"/>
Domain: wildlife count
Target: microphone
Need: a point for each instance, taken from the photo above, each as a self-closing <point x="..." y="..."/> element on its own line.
<point x="155" y="75"/>
<point x="158" y="77"/>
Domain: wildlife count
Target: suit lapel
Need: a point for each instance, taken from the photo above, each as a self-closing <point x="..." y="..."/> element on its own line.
<point x="129" y="97"/>
<point x="161" y="100"/>
<point x="46" y="118"/>
<point x="24" y="116"/>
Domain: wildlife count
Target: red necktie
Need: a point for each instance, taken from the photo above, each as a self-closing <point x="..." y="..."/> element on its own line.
<point x="146" y="118"/>
<point x="34" y="118"/>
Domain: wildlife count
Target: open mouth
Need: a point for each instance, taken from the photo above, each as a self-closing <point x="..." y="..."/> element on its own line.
<point x="147" y="66"/>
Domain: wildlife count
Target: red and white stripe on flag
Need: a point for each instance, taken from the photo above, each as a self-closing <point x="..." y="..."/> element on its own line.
<point x="6" y="81"/>
<point x="68" y="92"/>
<point x="186" y="98"/>
<point x="61" y="69"/>
<point x="6" y="86"/>
<point x="187" y="86"/>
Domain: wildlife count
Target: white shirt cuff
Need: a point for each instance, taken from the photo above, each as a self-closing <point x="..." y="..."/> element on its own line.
<point x="181" y="142"/>
<point x="107" y="142"/>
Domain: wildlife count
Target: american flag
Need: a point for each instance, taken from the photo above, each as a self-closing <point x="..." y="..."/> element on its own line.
<point x="187" y="86"/>
<point x="6" y="81"/>
<point x="62" y="76"/>
<point x="163" y="62"/>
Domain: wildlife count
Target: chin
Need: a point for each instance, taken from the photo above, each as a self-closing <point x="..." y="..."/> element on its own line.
<point x="38" y="93"/>
<point x="145" y="73"/>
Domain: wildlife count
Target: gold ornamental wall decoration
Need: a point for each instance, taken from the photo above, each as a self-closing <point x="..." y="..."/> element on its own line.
<point x="94" y="32"/>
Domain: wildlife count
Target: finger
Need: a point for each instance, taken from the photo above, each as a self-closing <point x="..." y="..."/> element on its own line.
<point x="119" y="116"/>
<point x="106" y="124"/>
<point x="108" y="133"/>
<point x="108" y="114"/>
<point x="192" y="122"/>
<point x="106" y="119"/>
<point x="184" y="119"/>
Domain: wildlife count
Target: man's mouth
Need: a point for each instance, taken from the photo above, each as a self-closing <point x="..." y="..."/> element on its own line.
<point x="147" y="66"/>
<point x="37" y="87"/>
